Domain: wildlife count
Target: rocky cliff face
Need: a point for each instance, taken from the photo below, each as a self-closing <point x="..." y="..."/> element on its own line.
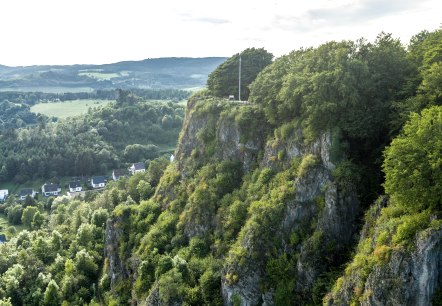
<point x="116" y="267"/>
<point x="231" y="139"/>
<point x="322" y="211"/>
<point x="407" y="276"/>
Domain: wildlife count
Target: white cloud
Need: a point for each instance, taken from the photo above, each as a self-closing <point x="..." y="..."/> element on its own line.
<point x="99" y="31"/>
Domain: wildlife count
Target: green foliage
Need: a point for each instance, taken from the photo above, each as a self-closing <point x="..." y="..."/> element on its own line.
<point x="327" y="87"/>
<point x="412" y="162"/>
<point x="90" y="144"/>
<point x="28" y="216"/>
<point x="14" y="115"/>
<point x="135" y="152"/>
<point x="425" y="51"/>
<point x="409" y="226"/>
<point x="307" y="163"/>
<point x="170" y="287"/>
<point x="346" y="173"/>
<point x="145" y="190"/>
<point x="14" y="214"/>
<point x="223" y="81"/>
<point x="52" y="294"/>
<point x="280" y="272"/>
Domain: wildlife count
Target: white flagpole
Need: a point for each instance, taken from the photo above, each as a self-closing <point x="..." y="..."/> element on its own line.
<point x="239" y="79"/>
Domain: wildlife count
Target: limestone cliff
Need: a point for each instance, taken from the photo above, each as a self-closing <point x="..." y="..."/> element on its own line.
<point x="322" y="213"/>
<point x="384" y="273"/>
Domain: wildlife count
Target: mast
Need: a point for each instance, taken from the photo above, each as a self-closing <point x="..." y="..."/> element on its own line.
<point x="239" y="79"/>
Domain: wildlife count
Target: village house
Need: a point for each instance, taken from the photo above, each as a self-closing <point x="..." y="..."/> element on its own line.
<point x="98" y="182"/>
<point x="118" y="173"/>
<point x="3" y="195"/>
<point x="137" y="167"/>
<point x="26" y="192"/>
<point x="75" y="186"/>
<point x="50" y="189"/>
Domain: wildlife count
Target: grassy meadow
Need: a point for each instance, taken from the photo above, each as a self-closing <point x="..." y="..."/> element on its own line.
<point x="68" y="108"/>
<point x="48" y="89"/>
<point x="99" y="75"/>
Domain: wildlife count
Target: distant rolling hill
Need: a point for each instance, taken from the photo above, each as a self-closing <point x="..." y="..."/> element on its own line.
<point x="180" y="73"/>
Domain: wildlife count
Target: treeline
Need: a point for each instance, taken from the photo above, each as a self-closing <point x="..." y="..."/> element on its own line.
<point x="31" y="98"/>
<point x="14" y="115"/>
<point x="95" y="143"/>
<point x="362" y="91"/>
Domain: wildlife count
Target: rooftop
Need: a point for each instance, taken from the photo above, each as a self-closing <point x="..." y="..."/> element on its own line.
<point x="50" y="187"/>
<point x="98" y="180"/>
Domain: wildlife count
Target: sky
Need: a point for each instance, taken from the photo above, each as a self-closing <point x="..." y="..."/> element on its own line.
<point x="63" y="32"/>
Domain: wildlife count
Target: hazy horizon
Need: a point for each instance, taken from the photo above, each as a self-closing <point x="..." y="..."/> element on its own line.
<point x="110" y="63"/>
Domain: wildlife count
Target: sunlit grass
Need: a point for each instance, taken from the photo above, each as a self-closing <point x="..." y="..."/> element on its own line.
<point x="68" y="108"/>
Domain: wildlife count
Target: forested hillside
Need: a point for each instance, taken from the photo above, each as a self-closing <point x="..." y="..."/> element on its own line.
<point x="129" y="130"/>
<point x="324" y="189"/>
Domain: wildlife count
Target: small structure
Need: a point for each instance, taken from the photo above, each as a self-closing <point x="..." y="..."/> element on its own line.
<point x="231" y="97"/>
<point x="75" y="186"/>
<point x="172" y="158"/>
<point x="137" y="168"/>
<point x="3" y="195"/>
<point x="118" y="173"/>
<point x="26" y="192"/>
<point x="98" y="182"/>
<point x="2" y="238"/>
<point x="50" y="189"/>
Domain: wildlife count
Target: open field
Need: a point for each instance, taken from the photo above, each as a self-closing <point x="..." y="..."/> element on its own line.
<point x="68" y="108"/>
<point x="55" y="89"/>
<point x="100" y="75"/>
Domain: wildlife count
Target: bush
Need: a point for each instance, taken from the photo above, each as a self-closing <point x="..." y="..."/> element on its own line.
<point x="412" y="164"/>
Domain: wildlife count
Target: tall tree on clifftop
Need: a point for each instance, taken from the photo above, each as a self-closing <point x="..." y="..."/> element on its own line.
<point x="223" y="81"/>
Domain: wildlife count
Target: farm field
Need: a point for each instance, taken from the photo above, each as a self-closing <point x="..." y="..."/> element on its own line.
<point x="68" y="108"/>
<point x="48" y="89"/>
<point x="99" y="75"/>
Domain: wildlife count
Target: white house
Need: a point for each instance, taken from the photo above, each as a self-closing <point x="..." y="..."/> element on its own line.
<point x="137" y="167"/>
<point x="26" y="192"/>
<point x="75" y="186"/>
<point x="117" y="174"/>
<point x="172" y="158"/>
<point x="3" y="194"/>
<point x="50" y="190"/>
<point x="98" y="182"/>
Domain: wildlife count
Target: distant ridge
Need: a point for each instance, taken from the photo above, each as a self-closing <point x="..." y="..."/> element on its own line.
<point x="168" y="72"/>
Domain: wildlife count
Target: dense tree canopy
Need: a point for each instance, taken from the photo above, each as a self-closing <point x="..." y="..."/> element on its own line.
<point x="350" y="85"/>
<point x="413" y="162"/>
<point x="91" y="144"/>
<point x="223" y="81"/>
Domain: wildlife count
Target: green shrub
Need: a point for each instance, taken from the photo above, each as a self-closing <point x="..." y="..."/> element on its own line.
<point x="308" y="162"/>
